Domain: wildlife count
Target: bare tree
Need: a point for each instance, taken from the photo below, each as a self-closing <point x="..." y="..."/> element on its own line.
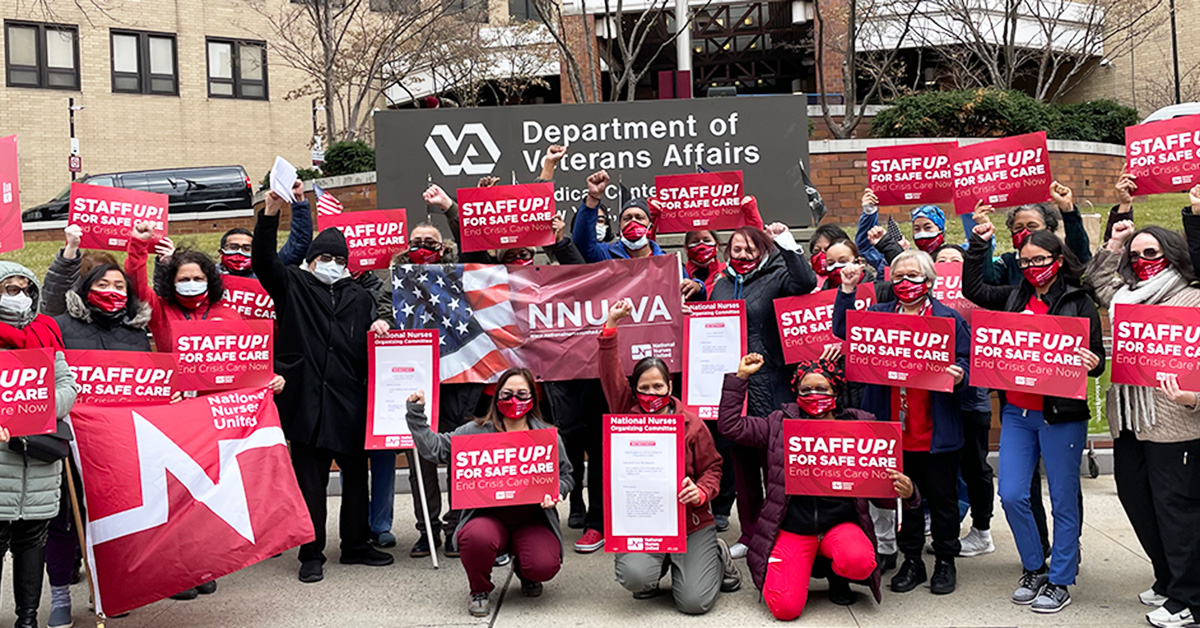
<point x="51" y="11"/>
<point x="627" y="36"/>
<point x="550" y="14"/>
<point x="506" y="62"/>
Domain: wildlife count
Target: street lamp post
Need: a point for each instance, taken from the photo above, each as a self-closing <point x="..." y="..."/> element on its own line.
<point x="1175" y="53"/>
<point x="73" y="158"/>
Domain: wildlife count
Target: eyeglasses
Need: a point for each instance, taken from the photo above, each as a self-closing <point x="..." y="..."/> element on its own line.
<point x="1148" y="253"/>
<point x="911" y="277"/>
<point x="13" y="290"/>
<point x="519" y="254"/>
<point x="325" y="257"/>
<point x="427" y="243"/>
<point x="1036" y="260"/>
<point x="523" y="395"/>
<point x="233" y="249"/>
<point x="808" y="390"/>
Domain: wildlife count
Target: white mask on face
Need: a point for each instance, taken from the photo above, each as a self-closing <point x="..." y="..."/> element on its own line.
<point x="635" y="245"/>
<point x="601" y="231"/>
<point x="328" y="272"/>
<point x="190" y="288"/>
<point x="19" y="303"/>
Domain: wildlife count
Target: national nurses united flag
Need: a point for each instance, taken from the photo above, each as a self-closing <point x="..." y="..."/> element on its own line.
<point x="327" y="204"/>
<point x="179" y="495"/>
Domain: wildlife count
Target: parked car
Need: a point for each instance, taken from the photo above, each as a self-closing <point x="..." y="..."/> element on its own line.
<point x="1174" y="111"/>
<point x="204" y="189"/>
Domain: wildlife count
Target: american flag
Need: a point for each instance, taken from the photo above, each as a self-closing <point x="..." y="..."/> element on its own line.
<point x="327" y="204"/>
<point x="469" y="306"/>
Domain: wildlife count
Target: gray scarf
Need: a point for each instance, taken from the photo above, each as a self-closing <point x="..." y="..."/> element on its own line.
<point x="1135" y="404"/>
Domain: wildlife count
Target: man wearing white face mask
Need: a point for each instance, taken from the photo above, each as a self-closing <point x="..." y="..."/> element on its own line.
<point x="323" y="317"/>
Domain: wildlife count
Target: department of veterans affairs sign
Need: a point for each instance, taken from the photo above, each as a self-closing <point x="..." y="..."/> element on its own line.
<point x="766" y="137"/>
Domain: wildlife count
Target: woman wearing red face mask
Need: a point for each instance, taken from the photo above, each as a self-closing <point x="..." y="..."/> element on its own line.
<point x="794" y="531"/>
<point x="1154" y="429"/>
<point x="1026" y="220"/>
<point x="706" y="568"/>
<point x="1031" y="425"/>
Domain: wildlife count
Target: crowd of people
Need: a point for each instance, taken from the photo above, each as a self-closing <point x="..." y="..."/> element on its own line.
<point x="324" y="314"/>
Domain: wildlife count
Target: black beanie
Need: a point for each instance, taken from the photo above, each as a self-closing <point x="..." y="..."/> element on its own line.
<point x="639" y="203"/>
<point x="329" y="241"/>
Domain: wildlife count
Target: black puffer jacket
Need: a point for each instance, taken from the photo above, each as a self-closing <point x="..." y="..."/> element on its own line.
<point x="81" y="331"/>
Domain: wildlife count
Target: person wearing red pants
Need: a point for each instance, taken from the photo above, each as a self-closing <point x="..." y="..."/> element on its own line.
<point x="794" y="533"/>
<point x="529" y="533"/>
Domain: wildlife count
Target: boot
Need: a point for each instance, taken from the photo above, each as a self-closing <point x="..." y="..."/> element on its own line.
<point x="28" y="564"/>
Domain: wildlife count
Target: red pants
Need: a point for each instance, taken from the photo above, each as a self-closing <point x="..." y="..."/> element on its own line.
<point x="790" y="565"/>
<point x="520" y="531"/>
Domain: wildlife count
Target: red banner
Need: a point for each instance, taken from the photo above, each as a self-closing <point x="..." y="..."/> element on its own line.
<point x="12" y="238"/>
<point x="373" y="236"/>
<point x="900" y="350"/>
<point x="1153" y="341"/>
<point x="948" y="288"/>
<point x="706" y="200"/>
<point x="115" y="378"/>
<point x="643" y="474"/>
<point x="179" y="495"/>
<point x="506" y="216"/>
<point x="107" y="215"/>
<point x="911" y="174"/>
<point x="1029" y="353"/>
<point x="400" y="363"/>
<point x="841" y="458"/>
<point x="503" y="468"/>
<point x="248" y="297"/>
<point x="1004" y="172"/>
<point x="1164" y="155"/>
<point x="27" y="401"/>
<point x="714" y="341"/>
<point x="220" y="355"/>
<point x="806" y="322"/>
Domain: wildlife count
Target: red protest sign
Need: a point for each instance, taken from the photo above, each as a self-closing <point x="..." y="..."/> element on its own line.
<point x="806" y="322"/>
<point x="1003" y="172"/>
<point x="503" y="468"/>
<point x="12" y="237"/>
<point x="1030" y="353"/>
<point x="706" y="200"/>
<point x="643" y="473"/>
<point x="912" y="174"/>
<point x="107" y="215"/>
<point x="221" y="355"/>
<point x="841" y="458"/>
<point x="27" y="402"/>
<point x="399" y="364"/>
<point x="373" y="236"/>
<point x="506" y="216"/>
<point x="948" y="288"/>
<point x="248" y="297"/>
<point x="1164" y="155"/>
<point x="714" y="341"/>
<point x="900" y="350"/>
<point x="118" y="378"/>
<point x="1151" y="342"/>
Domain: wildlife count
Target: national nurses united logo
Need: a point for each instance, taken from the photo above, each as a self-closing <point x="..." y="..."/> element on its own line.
<point x="471" y="152"/>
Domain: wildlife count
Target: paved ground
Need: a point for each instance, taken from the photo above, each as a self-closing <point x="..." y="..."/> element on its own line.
<point x="412" y="593"/>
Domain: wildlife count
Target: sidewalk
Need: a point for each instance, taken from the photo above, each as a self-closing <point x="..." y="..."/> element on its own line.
<point x="412" y="593"/>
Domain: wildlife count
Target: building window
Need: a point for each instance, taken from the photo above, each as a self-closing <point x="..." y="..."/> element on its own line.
<point x="394" y="6"/>
<point x="41" y="55"/>
<point x="521" y="11"/>
<point x="144" y="63"/>
<point x="237" y="69"/>
<point x="471" y="10"/>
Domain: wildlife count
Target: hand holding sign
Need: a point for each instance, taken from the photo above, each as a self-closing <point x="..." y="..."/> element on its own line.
<point x="1194" y="198"/>
<point x="549" y="501"/>
<point x="276" y="384"/>
<point x="869" y="199"/>
<point x="1090" y="360"/>
<point x="1169" y="386"/>
<point x="1126" y="186"/>
<point x="902" y="483"/>
<point x="691" y="495"/>
<point x="4" y="435"/>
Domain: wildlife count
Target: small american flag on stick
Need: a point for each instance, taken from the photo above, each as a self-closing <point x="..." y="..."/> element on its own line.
<point x="327" y="204"/>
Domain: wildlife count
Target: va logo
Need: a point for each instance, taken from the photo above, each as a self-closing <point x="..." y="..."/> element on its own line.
<point x="461" y="154"/>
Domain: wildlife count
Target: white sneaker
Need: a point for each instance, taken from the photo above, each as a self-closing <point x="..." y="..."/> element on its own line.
<point x="1164" y="618"/>
<point x="738" y="551"/>
<point x="1150" y="598"/>
<point x="975" y="543"/>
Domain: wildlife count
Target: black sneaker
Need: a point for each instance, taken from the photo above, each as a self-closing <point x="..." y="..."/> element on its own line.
<point x="577" y="518"/>
<point x="722" y="522"/>
<point x="945" y="578"/>
<point x="189" y="594"/>
<point x="370" y="557"/>
<point x="311" y="571"/>
<point x="451" y="546"/>
<point x="531" y="588"/>
<point x="1053" y="598"/>
<point x="208" y="588"/>
<point x="840" y="593"/>
<point x="911" y="575"/>
<point x="886" y="562"/>
<point x="421" y="549"/>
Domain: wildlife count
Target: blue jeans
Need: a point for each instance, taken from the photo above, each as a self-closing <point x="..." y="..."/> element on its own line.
<point x="1024" y="436"/>
<point x="383" y="489"/>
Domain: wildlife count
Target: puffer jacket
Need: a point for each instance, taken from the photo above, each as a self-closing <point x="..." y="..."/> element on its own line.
<point x="60" y="277"/>
<point x="80" y="331"/>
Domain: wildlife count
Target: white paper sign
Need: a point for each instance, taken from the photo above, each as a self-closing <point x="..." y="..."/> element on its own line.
<point x="283" y="177"/>
<point x="401" y="363"/>
<point x="645" y="492"/>
<point x="714" y="342"/>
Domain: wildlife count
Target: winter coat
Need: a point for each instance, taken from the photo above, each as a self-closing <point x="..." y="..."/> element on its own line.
<point x="60" y="279"/>
<point x="300" y="235"/>
<point x="767" y="434"/>
<point x="80" y="331"/>
<point x="1063" y="299"/>
<point x="1191" y="230"/>
<point x="1004" y="272"/>
<point x="702" y="463"/>
<point x="785" y="273"/>
<point x="436" y="448"/>
<point x="320" y="348"/>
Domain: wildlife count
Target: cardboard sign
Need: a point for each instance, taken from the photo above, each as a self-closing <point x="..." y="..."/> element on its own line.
<point x="1164" y="155"/>
<point x="714" y="341"/>
<point x="900" y="350"/>
<point x="107" y="215"/>
<point x="374" y="236"/>
<point x="27" y="402"/>
<point x="248" y="297"/>
<point x="948" y="288"/>
<point x="399" y="364"/>
<point x="1003" y="172"/>
<point x="913" y="174"/>
<point x="506" y="216"/>
<point x="706" y="200"/>
<point x="503" y="468"/>
<point x="643" y="474"/>
<point x="1030" y="353"/>
<point x="806" y="322"/>
<point x="121" y="378"/>
<point x="1151" y="342"/>
<point x="841" y="458"/>
<point x="222" y="355"/>
<point x="12" y="237"/>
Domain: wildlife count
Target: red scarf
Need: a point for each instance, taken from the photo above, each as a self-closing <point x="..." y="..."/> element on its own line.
<point x="42" y="331"/>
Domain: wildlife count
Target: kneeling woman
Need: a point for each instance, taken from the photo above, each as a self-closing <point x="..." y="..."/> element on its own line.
<point x="792" y="531"/>
<point x="705" y="569"/>
<point x="529" y="533"/>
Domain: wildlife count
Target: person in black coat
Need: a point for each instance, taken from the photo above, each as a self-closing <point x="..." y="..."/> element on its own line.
<point x="323" y="317"/>
<point x="101" y="313"/>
